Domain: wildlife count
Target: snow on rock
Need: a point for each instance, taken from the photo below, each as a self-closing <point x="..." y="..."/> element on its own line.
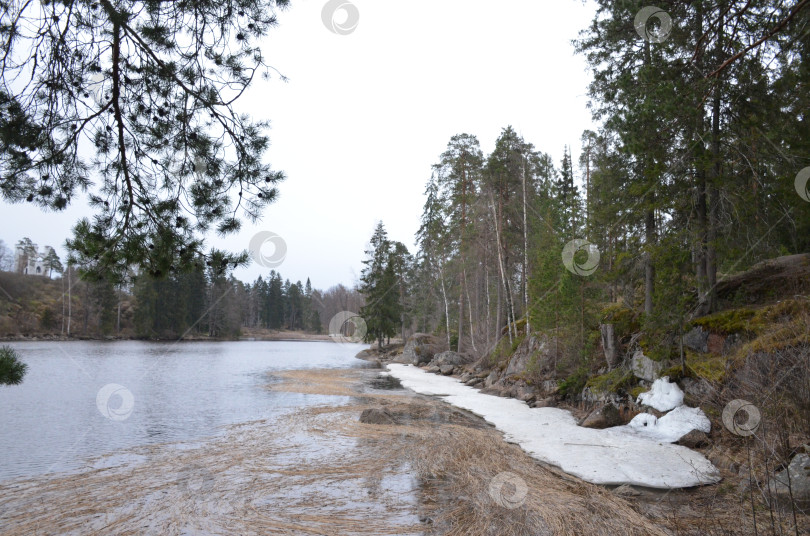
<point x="663" y="395"/>
<point x="672" y="426"/>
<point x="619" y="455"/>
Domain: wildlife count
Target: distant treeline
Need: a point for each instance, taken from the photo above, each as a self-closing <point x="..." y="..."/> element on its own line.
<point x="194" y="303"/>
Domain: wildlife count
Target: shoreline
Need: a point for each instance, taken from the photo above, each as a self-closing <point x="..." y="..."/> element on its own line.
<point x="287" y="336"/>
<point x="414" y="464"/>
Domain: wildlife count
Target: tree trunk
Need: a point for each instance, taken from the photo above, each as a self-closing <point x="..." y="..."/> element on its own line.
<point x="70" y="305"/>
<point x="503" y="275"/>
<point x="470" y="314"/>
<point x="649" y="268"/>
<point x="701" y="186"/>
<point x="525" y="256"/>
<point x="446" y="305"/>
<point x="460" y="313"/>
<point x="711" y="248"/>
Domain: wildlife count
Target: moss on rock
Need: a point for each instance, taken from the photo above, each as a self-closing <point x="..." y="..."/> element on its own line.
<point x="625" y="320"/>
<point x="611" y="382"/>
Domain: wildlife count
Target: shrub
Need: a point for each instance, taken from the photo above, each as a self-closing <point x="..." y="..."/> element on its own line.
<point x="12" y="369"/>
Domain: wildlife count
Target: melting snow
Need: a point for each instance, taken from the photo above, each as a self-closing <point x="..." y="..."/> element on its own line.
<point x="663" y="395"/>
<point x="632" y="454"/>
<point x="672" y="426"/>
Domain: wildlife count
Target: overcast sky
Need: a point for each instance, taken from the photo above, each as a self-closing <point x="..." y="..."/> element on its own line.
<point x="365" y="114"/>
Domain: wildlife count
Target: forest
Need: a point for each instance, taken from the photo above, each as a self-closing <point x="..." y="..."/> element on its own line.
<point x="698" y="171"/>
<point x="203" y="302"/>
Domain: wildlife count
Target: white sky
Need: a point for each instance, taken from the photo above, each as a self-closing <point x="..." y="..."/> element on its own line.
<point x="365" y="115"/>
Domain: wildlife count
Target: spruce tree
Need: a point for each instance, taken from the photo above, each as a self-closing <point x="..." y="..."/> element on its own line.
<point x="380" y="288"/>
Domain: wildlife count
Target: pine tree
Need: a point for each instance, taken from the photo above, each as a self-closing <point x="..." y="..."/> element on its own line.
<point x="12" y="370"/>
<point x="459" y="174"/>
<point x="151" y="87"/>
<point x="51" y="262"/>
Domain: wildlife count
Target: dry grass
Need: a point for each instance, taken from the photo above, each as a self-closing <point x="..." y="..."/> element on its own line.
<point x="319" y="471"/>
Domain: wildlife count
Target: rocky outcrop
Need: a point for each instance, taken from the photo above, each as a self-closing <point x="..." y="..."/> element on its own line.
<point x="645" y="368"/>
<point x="419" y="349"/>
<point x="694" y="439"/>
<point x="794" y="482"/>
<point x="697" y="339"/>
<point x="604" y="416"/>
<point x="446" y="369"/>
<point x="411" y="413"/>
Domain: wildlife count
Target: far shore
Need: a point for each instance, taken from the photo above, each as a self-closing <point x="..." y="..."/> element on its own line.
<point x="246" y="335"/>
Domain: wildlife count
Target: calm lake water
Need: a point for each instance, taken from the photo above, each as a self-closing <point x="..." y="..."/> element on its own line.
<point x="84" y="399"/>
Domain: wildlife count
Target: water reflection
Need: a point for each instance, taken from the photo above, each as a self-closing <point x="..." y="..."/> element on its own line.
<point x="179" y="392"/>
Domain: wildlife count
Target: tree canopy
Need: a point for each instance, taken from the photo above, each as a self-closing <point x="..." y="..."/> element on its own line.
<point x="134" y="102"/>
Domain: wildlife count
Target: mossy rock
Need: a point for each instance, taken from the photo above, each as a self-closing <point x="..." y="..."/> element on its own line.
<point x="625" y="320"/>
<point x="731" y="321"/>
<point x="637" y="390"/>
<point x="516" y="343"/>
<point x="677" y="372"/>
<point x="573" y="384"/>
<point x="709" y="367"/>
<point x="754" y="321"/>
<point x="783" y="336"/>
<point x="656" y="347"/>
<point x="612" y="382"/>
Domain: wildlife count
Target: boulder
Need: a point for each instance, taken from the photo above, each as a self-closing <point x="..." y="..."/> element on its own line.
<point x="694" y="439"/>
<point x="645" y="368"/>
<point x="491" y="378"/>
<point x="419" y="349"/>
<point x="697" y="390"/>
<point x="626" y="490"/>
<point x="433" y="369"/>
<point x="605" y="416"/>
<point x="697" y="339"/>
<point x="446" y="369"/>
<point x="549" y="402"/>
<point x="449" y="358"/>
<point x="794" y="481"/>
<point x="497" y="389"/>
<point x="523" y="392"/>
<point x="376" y="416"/>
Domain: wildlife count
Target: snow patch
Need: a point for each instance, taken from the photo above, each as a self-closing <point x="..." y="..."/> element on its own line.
<point x="672" y="426"/>
<point x="663" y="395"/>
<point x="619" y="455"/>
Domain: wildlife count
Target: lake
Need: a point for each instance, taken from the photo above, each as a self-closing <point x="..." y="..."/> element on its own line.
<point x="80" y="399"/>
